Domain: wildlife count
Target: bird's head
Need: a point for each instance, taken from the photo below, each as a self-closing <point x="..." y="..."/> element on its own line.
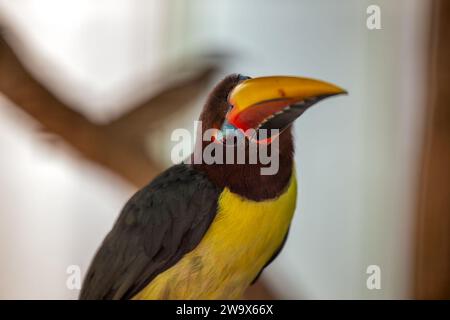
<point x="244" y="105"/>
<point x="240" y="107"/>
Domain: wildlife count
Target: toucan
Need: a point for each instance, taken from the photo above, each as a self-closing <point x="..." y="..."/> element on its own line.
<point x="207" y="230"/>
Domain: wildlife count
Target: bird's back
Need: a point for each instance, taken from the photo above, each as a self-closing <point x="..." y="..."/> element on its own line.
<point x="158" y="225"/>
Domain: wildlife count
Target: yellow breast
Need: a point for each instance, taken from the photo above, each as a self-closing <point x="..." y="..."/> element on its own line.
<point x="241" y="239"/>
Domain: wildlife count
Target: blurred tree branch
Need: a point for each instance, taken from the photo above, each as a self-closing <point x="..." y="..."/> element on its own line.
<point x="118" y="145"/>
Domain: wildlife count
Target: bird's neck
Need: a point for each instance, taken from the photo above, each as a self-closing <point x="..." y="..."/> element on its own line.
<point x="246" y="179"/>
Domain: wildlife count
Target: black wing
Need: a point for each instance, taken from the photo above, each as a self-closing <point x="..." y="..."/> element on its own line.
<point x="159" y="224"/>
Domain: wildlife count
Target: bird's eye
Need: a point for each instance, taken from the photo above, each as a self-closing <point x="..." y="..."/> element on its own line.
<point x="227" y="128"/>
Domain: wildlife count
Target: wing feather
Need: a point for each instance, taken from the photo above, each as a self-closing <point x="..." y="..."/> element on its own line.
<point x="158" y="225"/>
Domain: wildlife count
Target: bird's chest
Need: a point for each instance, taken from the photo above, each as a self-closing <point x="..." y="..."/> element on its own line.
<point x="242" y="238"/>
<point x="249" y="232"/>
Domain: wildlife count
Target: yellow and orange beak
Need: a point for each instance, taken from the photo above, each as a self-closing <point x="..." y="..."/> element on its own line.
<point x="275" y="102"/>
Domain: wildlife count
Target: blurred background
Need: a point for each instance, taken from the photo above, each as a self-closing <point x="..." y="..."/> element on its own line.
<point x="90" y="92"/>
